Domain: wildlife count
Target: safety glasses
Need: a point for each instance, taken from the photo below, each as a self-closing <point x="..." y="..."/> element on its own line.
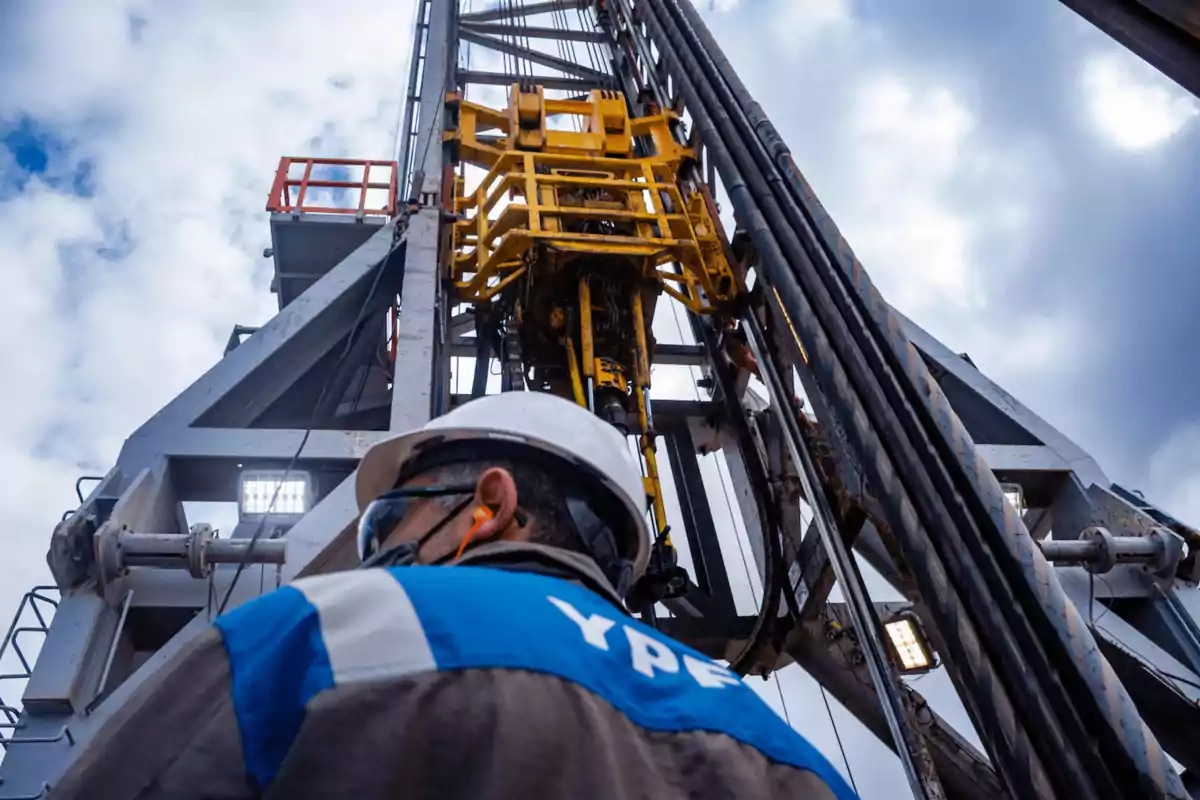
<point x="383" y="513"/>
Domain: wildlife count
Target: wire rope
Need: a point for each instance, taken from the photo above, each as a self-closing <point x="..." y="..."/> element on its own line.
<point x="837" y="734"/>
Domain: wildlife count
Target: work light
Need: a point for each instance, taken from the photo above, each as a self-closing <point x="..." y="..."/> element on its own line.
<point x="911" y="648"/>
<point x="273" y="493"/>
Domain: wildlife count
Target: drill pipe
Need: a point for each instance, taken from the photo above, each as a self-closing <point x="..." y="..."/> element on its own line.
<point x="1129" y="752"/>
<point x="978" y="674"/>
<point x="862" y="366"/>
<point x="880" y="668"/>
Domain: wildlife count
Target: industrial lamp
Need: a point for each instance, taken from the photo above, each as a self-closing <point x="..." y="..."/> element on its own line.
<point x="911" y="648"/>
<point x="1015" y="495"/>
<point x="290" y="492"/>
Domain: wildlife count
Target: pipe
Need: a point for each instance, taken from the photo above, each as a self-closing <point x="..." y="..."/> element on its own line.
<point x="585" y="327"/>
<point x="171" y="550"/>
<point x="1064" y="707"/>
<point x="639" y="333"/>
<point x="235" y="551"/>
<point x="158" y="545"/>
<point x="1070" y="551"/>
<point x="1047" y="612"/>
<point x="882" y="673"/>
<point x="1100" y="556"/>
<point x="996" y="710"/>
<point x="573" y="369"/>
<point x="112" y="651"/>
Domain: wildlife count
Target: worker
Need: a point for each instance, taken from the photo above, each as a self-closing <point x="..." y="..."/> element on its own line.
<point x="483" y="651"/>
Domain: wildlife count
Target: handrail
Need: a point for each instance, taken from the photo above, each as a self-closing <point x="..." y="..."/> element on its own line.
<point x="281" y="200"/>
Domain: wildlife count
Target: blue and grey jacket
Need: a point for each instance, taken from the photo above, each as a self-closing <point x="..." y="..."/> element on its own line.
<point x="445" y="682"/>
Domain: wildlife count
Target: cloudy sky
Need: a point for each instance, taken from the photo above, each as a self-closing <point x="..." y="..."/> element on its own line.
<point x="1014" y="181"/>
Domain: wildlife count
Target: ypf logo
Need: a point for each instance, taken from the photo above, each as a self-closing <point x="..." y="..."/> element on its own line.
<point x="649" y="656"/>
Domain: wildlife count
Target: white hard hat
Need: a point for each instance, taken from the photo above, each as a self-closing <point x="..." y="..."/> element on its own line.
<point x="544" y="422"/>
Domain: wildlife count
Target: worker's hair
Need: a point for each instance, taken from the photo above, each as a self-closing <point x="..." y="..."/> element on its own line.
<point x="538" y="494"/>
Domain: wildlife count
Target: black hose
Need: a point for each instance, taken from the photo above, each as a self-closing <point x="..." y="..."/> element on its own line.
<point x="883" y="400"/>
<point x="778" y="273"/>
<point x="929" y="421"/>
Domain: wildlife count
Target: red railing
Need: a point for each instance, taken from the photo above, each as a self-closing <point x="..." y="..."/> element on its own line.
<point x="286" y="187"/>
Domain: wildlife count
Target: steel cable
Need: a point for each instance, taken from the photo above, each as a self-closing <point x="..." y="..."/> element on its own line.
<point x="844" y="565"/>
<point x="1021" y="571"/>
<point x="881" y="410"/>
<point x="595" y="55"/>
<point x="566" y="50"/>
<point x="523" y="41"/>
<point x="355" y="331"/>
<point x="980" y="553"/>
<point x="980" y="674"/>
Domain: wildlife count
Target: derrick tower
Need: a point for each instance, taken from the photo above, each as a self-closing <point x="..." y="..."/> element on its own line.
<point x="554" y="194"/>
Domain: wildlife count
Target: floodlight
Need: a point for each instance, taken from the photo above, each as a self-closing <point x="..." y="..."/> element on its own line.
<point x="274" y="493"/>
<point x="1015" y="495"/>
<point x="911" y="648"/>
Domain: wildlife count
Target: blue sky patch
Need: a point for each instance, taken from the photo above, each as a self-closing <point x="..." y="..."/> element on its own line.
<point x="36" y="150"/>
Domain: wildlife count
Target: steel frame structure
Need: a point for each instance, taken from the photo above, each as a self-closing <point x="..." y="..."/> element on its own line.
<point x="1166" y="33"/>
<point x="305" y="392"/>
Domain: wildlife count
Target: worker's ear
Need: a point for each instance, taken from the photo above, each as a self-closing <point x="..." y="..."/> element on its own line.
<point x="496" y="490"/>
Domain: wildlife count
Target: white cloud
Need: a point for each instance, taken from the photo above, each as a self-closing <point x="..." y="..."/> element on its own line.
<point x="796" y="21"/>
<point x="910" y="153"/>
<point x="908" y="144"/>
<point x="183" y="128"/>
<point x="1132" y="103"/>
<point x="1174" y="473"/>
<point x="806" y="18"/>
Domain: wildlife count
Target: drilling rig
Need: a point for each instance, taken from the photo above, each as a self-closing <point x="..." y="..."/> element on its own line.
<point x="541" y="210"/>
<point x="598" y="222"/>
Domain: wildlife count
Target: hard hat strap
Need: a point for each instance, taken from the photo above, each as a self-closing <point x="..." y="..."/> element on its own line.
<point x="601" y="544"/>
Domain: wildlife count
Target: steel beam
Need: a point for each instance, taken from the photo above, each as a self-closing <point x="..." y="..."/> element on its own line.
<point x="262" y="444"/>
<point x="1022" y="458"/>
<point x="1164" y="688"/>
<point x="534" y="56"/>
<point x="973" y="387"/>
<point x="422" y="312"/>
<point x="407" y="132"/>
<point x="1165" y="33"/>
<point x="664" y="354"/>
<point x="506" y="79"/>
<point x="666" y="412"/>
<point x="708" y="563"/>
<point x="743" y="491"/>
<point x="530" y="32"/>
<point x="679" y="354"/>
<point x="413" y="375"/>
<point x="460" y="324"/>
<point x="812" y="575"/>
<point x="520" y="10"/>
<point x="243" y="384"/>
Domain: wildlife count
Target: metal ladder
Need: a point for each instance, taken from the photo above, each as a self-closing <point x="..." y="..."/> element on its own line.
<point x="36" y="609"/>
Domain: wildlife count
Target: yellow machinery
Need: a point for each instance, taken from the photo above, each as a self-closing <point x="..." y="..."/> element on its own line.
<point x="579" y="224"/>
